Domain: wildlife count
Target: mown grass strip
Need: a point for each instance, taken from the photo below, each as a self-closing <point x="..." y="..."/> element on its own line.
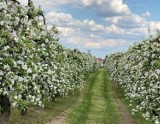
<point x="80" y="114"/>
<point x="112" y="115"/>
<point x="98" y="102"/>
<point x="97" y="105"/>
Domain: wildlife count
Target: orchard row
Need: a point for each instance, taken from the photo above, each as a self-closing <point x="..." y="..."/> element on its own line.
<point x="138" y="72"/>
<point x="33" y="65"/>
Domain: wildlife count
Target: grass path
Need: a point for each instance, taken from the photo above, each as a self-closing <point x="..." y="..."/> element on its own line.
<point x="80" y="114"/>
<point x="97" y="106"/>
<point x="101" y="102"/>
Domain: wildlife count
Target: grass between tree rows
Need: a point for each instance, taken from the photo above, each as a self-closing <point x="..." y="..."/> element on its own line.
<point x="97" y="105"/>
<point x="80" y="113"/>
<point x="94" y="105"/>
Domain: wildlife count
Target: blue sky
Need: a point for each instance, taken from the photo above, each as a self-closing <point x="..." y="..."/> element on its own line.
<point x="101" y="26"/>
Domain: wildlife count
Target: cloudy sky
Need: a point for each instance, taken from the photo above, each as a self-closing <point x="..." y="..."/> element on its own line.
<point x="101" y="26"/>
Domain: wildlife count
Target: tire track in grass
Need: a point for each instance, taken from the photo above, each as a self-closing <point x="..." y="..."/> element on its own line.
<point x="126" y="116"/>
<point x="104" y="109"/>
<point x="112" y="114"/>
<point x="98" y="102"/>
<point x="80" y="114"/>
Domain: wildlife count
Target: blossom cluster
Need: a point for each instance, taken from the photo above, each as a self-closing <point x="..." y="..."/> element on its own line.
<point x="33" y="65"/>
<point x="138" y="72"/>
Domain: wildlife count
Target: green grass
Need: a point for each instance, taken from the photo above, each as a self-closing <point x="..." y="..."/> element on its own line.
<point x="97" y="102"/>
<point x="112" y="112"/>
<point x="137" y="117"/>
<point x="96" y="105"/>
<point x="80" y="114"/>
<point x="37" y="115"/>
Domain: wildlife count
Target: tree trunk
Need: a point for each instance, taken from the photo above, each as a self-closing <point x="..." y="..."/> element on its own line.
<point x="24" y="111"/>
<point x="5" y="109"/>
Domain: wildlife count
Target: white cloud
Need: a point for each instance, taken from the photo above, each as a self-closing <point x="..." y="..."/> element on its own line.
<point x="85" y="26"/>
<point x="100" y="43"/>
<point x="107" y="7"/>
<point x="105" y="43"/>
<point x="146" y="14"/>
<point x="49" y="5"/>
<point x="59" y="18"/>
<point x="66" y="31"/>
<point x="86" y="33"/>
<point x="66" y="20"/>
<point x="114" y="29"/>
<point x="130" y="24"/>
<point x="93" y="26"/>
<point x="102" y="7"/>
<point x="129" y="20"/>
<point x="153" y="26"/>
<point x="120" y="22"/>
<point x="113" y="20"/>
<point x="94" y="36"/>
